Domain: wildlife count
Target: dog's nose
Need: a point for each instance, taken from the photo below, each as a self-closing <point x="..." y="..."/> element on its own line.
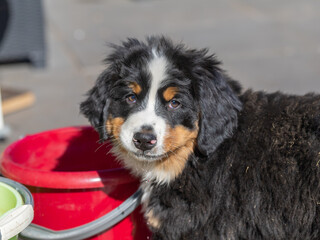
<point x="144" y="140"/>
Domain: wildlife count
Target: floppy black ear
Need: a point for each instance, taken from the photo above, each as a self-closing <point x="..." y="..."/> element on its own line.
<point x="95" y="107"/>
<point x="219" y="105"/>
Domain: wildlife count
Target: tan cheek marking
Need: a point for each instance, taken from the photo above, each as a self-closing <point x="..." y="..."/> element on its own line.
<point x="113" y="126"/>
<point x="152" y="220"/>
<point x="136" y="88"/>
<point x="169" y="93"/>
<point x="179" y="136"/>
<point x="179" y="144"/>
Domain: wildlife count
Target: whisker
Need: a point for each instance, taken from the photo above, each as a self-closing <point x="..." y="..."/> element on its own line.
<point x="99" y="127"/>
<point x="105" y="144"/>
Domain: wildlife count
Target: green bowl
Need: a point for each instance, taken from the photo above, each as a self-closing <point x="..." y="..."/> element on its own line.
<point x="10" y="199"/>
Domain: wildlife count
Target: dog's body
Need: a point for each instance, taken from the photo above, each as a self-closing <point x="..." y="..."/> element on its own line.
<point x="214" y="163"/>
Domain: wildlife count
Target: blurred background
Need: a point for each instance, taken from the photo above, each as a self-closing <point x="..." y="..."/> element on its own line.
<point x="51" y="52"/>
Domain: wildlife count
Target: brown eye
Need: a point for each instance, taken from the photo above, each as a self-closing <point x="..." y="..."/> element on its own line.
<point x="131" y="99"/>
<point x="174" y="104"/>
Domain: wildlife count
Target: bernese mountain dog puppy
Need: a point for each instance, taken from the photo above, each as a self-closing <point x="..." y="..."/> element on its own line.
<point x="215" y="162"/>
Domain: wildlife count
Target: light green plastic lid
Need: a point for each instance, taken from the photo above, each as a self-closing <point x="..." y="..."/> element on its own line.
<point x="9" y="198"/>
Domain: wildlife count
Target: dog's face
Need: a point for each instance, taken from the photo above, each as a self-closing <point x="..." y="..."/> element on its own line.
<point x="158" y="102"/>
<point x="152" y="113"/>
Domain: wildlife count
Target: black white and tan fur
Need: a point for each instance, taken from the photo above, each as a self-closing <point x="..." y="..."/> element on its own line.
<point x="215" y="162"/>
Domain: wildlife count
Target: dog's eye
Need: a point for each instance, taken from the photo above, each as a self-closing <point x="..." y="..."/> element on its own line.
<point x="131" y="98"/>
<point x="174" y="104"/>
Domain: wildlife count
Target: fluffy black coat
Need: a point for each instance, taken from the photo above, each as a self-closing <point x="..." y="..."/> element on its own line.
<point x="262" y="183"/>
<point x="254" y="173"/>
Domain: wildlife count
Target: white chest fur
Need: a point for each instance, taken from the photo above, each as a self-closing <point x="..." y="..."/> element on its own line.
<point x="147" y="189"/>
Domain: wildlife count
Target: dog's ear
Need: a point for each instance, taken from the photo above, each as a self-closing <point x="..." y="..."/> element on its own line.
<point x="95" y="107"/>
<point x="218" y="103"/>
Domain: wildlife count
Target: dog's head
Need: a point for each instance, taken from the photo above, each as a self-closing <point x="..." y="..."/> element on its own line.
<point x="158" y="101"/>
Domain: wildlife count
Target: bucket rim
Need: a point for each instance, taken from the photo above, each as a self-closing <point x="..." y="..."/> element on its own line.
<point x="61" y="179"/>
<point x="21" y="189"/>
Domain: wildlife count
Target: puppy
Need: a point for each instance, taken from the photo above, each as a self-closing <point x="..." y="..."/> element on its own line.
<point x="214" y="162"/>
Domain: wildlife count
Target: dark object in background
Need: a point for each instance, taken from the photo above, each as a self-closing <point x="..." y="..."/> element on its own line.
<point x="22" y="32"/>
<point x="3" y="18"/>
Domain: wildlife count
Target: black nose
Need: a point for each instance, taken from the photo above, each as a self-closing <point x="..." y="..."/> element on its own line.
<point x="144" y="141"/>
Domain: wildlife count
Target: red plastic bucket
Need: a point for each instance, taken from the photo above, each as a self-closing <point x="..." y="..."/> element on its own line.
<point x="73" y="181"/>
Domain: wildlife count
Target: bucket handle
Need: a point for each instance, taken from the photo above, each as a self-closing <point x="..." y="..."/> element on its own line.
<point x="90" y="229"/>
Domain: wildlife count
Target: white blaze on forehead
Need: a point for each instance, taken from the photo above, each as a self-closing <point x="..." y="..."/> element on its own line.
<point x="157" y="68"/>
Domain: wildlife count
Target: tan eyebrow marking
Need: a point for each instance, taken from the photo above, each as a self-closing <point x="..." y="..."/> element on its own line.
<point x="136" y="88"/>
<point x="169" y="93"/>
